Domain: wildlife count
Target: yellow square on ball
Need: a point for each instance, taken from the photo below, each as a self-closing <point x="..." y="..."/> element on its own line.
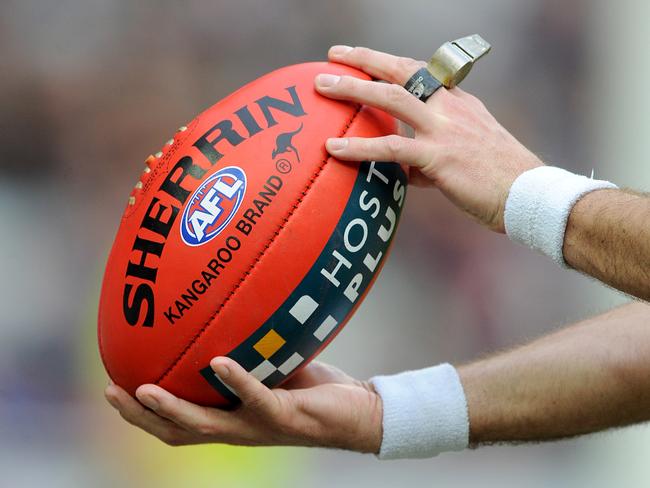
<point x="268" y="345"/>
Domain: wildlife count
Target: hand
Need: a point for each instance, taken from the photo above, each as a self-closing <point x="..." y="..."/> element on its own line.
<point x="458" y="146"/>
<point x="319" y="406"/>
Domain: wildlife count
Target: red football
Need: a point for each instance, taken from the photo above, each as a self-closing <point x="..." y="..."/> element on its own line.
<point x="245" y="238"/>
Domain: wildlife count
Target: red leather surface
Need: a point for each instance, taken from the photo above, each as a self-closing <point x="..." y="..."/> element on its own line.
<point x="272" y="259"/>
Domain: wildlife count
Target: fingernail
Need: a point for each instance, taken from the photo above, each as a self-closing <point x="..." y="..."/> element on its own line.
<point x="149" y="401"/>
<point x="340" y="50"/>
<point x="327" y="80"/>
<point x="221" y="370"/>
<point x="336" y="144"/>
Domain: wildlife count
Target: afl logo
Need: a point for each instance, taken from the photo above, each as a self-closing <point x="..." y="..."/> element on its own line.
<point x="213" y="205"/>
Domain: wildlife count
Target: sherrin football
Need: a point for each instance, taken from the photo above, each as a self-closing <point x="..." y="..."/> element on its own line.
<point x="244" y="238"/>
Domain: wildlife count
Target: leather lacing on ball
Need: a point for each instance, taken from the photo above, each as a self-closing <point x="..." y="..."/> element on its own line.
<point x="149" y="163"/>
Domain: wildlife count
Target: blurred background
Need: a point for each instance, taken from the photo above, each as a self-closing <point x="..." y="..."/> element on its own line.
<point x="89" y="88"/>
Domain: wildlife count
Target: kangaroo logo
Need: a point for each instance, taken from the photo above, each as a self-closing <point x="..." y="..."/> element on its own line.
<point x="283" y="143"/>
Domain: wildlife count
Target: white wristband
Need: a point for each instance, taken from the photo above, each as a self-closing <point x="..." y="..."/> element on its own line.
<point x="425" y="413"/>
<point x="539" y="204"/>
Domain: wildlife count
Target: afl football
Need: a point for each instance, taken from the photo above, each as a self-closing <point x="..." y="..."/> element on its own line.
<point x="245" y="238"/>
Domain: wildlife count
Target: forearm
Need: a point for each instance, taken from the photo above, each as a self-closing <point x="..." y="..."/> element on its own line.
<point x="608" y="237"/>
<point x="589" y="377"/>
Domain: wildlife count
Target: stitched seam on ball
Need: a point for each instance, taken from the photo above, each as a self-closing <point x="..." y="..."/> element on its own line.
<point x="163" y="162"/>
<point x="257" y="259"/>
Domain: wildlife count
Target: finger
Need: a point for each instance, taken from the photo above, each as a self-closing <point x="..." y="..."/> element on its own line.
<point x="190" y="416"/>
<point x="135" y="414"/>
<point x="394" y="69"/>
<point x="250" y="390"/>
<point x="387" y="148"/>
<point x="388" y="97"/>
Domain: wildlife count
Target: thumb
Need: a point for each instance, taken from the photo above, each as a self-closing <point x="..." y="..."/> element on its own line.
<point x="253" y="394"/>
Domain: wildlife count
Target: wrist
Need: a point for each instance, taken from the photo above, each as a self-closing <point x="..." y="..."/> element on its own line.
<point x="581" y="237"/>
<point x="472" y="377"/>
<point x="354" y="424"/>
<point x="538" y="206"/>
<point x="372" y="435"/>
<point x="424" y="413"/>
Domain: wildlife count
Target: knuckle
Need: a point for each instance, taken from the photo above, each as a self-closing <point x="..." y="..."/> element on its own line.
<point x="349" y="84"/>
<point x="406" y="66"/>
<point x="204" y="429"/>
<point x="394" y="145"/>
<point x="396" y="94"/>
<point x="364" y="57"/>
<point x="360" y="52"/>
<point x="165" y="408"/>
